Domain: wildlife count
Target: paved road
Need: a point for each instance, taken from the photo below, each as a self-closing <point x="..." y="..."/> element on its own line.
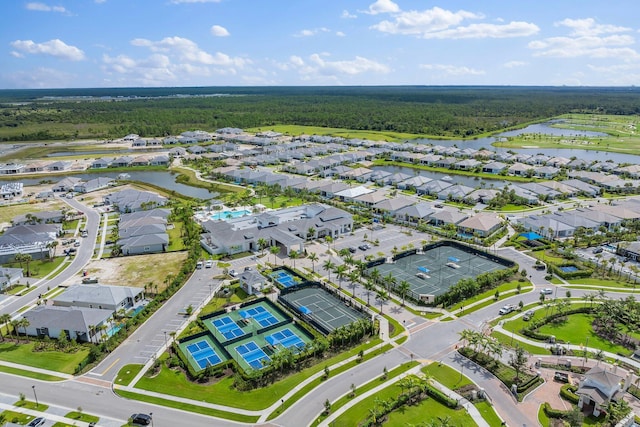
<point x="84" y="254"/>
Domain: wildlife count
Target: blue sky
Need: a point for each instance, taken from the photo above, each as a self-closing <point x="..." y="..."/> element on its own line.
<point x="120" y="43"/>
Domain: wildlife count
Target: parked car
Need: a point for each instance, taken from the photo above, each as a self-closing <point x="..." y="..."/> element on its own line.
<point x="546" y="291"/>
<point x="352" y="249"/>
<point x="208" y="264"/>
<point x="140" y="419"/>
<point x="528" y="315"/>
<point x="561" y="376"/>
<point x="233" y="273"/>
<point x="597" y="250"/>
<point x="421" y="276"/>
<point x="364" y="246"/>
<point x="506" y="309"/>
<point x="199" y="265"/>
<point x="36" y="422"/>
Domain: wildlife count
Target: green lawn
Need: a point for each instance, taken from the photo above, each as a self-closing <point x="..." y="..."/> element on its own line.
<point x="38" y="268"/>
<point x="446" y="375"/>
<point x="489" y="414"/>
<point x="526" y="286"/>
<point x="175" y="237"/>
<point x="603" y="283"/>
<point x="17" y="417"/>
<point x="366" y="387"/>
<point x="24" y="354"/>
<point x="577" y="329"/>
<point x="29" y="374"/>
<point x="517" y="324"/>
<point x="509" y="341"/>
<point x="345" y="133"/>
<point x="127" y="373"/>
<point x="427" y="410"/>
<point x="81" y="416"/>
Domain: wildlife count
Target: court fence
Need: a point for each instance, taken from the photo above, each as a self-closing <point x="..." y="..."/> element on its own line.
<point x="429" y="299"/>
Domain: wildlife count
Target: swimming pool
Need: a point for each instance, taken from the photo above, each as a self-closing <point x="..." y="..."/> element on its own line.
<point x="569" y="269"/>
<point x="227" y="214"/>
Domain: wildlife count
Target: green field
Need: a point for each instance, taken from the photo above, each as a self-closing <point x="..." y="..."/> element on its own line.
<point x="622" y="136"/>
<point x="295" y="130"/>
<point x="25" y="354"/>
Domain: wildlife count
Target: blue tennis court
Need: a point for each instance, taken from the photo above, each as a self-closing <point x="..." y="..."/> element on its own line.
<point x="260" y="314"/>
<point x="286" y="338"/>
<point x="203" y="354"/>
<point x="284" y="278"/>
<point x="253" y="355"/>
<point x="228" y="328"/>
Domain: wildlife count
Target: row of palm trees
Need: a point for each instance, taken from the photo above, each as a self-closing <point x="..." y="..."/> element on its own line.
<point x="13" y="325"/>
<point x="479" y="341"/>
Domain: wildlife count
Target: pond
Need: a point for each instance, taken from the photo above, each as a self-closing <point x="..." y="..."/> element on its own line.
<point x="164" y="179"/>
<point x="545" y="129"/>
<point x="469" y="181"/>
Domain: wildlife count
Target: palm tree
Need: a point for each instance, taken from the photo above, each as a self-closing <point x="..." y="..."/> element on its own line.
<point x="15" y="323"/>
<point x="375" y="275"/>
<point x="341" y="271"/>
<point x="311" y="232"/>
<point x="369" y="287"/>
<point x="313" y="257"/>
<point x="52" y="248"/>
<point x="24" y="324"/>
<point x="390" y="281"/>
<point x="294" y="255"/>
<point x="329" y="266"/>
<point x="382" y="296"/>
<point x="274" y="250"/>
<point x="403" y="289"/>
<point x="262" y="244"/>
<point x="5" y="318"/>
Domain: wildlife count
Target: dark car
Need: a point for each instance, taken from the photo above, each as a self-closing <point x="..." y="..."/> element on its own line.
<point x="597" y="250"/>
<point x="36" y="422"/>
<point x="140" y="419"/>
<point x="352" y="249"/>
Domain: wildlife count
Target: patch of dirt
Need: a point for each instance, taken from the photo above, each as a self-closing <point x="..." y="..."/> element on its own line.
<point x="139" y="270"/>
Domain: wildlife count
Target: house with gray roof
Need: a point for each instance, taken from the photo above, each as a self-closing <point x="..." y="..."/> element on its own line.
<point x="599" y="387"/>
<point x="603" y="218"/>
<point x="31" y="239"/>
<point x="78" y="323"/>
<point x="447" y="216"/>
<point x="41" y="217"/>
<point x="130" y="200"/>
<point x="577" y="221"/>
<point x="547" y="225"/>
<point x="93" y="185"/>
<point x="62" y="165"/>
<point x="393" y="205"/>
<point x="583" y="187"/>
<point x="9" y="276"/>
<point x="434" y="187"/>
<point x="122" y="161"/>
<point x="101" y="163"/>
<point x="103" y="297"/>
<point x="65" y="184"/>
<point x="144" y="244"/>
<point x="494" y="167"/>
<point x="252" y="282"/>
<point x="413" y="182"/>
<point x="541" y="190"/>
<point x="546" y="171"/>
<point x="520" y="169"/>
<point x="467" y="164"/>
<point x="455" y="192"/>
<point x="482" y="195"/>
<point x="415" y="214"/>
<point x="286" y="228"/>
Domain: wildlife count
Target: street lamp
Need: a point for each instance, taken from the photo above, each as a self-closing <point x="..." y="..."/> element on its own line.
<point x="165" y="339"/>
<point x="151" y="416"/>
<point x="35" y="395"/>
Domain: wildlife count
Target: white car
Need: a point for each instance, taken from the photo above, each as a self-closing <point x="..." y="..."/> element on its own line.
<point x="208" y="264"/>
<point x="546" y="291"/>
<point x="506" y="309"/>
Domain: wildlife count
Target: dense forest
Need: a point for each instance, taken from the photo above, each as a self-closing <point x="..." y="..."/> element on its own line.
<point x="454" y="111"/>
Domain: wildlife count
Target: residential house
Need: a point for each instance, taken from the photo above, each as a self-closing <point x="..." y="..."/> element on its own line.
<point x="130" y="200"/>
<point x="79" y="324"/>
<point x="9" y="277"/>
<point x="101" y="163"/>
<point x="520" y="169"/>
<point x="457" y="192"/>
<point x="481" y="224"/>
<point x="11" y="169"/>
<point x="433" y="188"/>
<point x="27" y="239"/>
<point x="65" y="184"/>
<point x="9" y="190"/>
<point x="547" y="225"/>
<point x="494" y="167"/>
<point x="60" y="166"/>
<point x="445" y="217"/>
<point x="39" y="217"/>
<point x="103" y="297"/>
<point x="122" y="162"/>
<point x="93" y="185"/>
<point x="415" y="214"/>
<point x="392" y="206"/>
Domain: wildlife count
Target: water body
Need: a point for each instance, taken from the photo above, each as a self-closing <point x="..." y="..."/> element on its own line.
<point x="544" y="129"/>
<point x="162" y="179"/>
<point x="469" y="181"/>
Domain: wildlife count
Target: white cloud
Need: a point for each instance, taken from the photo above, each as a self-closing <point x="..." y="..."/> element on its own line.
<point x="347" y="15"/>
<point x="311" y="32"/>
<point x="438" y="23"/>
<point x="187" y="50"/>
<point x="318" y="66"/>
<point x="173" y="60"/>
<point x="424" y="22"/>
<point x="452" y="70"/>
<point x="100" y="1"/>
<point x="587" y="39"/>
<point x="340" y="34"/>
<point x="589" y="27"/>
<point x="219" y="31"/>
<point x="382" y="6"/>
<point x="55" y="47"/>
<point x="41" y="7"/>
<point x="514" y="64"/>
